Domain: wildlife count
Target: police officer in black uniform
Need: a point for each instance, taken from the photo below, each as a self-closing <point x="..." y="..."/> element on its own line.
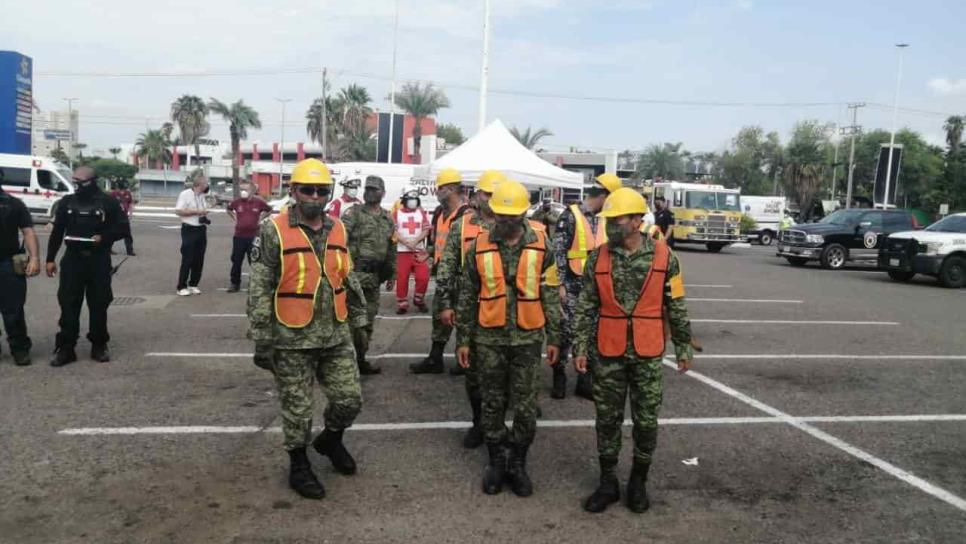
<point x="88" y="222"/>
<point x="15" y="268"/>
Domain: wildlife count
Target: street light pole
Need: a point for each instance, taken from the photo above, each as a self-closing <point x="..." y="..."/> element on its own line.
<point x="392" y="87"/>
<point x="70" y="132"/>
<point x="895" y="119"/>
<point x="485" y="70"/>
<point x="281" y="144"/>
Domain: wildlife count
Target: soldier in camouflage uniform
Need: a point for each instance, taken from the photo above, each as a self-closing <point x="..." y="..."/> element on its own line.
<point x="548" y="216"/>
<point x="303" y="335"/>
<point x="373" y="252"/>
<point x="610" y="294"/>
<point x="570" y="279"/>
<point x="448" y="277"/>
<point x="509" y="287"/>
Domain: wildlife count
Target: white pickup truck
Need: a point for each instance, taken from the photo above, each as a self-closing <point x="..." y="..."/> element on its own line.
<point x="938" y="251"/>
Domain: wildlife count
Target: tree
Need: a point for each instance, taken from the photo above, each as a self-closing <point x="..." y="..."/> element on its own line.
<point x="58" y="155"/>
<point x="751" y="160"/>
<point x="954" y="131"/>
<point x="420" y="102"/>
<point x="113" y="169"/>
<point x="665" y="160"/>
<point x="451" y="133"/>
<point x="354" y="101"/>
<point x="154" y="146"/>
<point x="808" y="156"/>
<point x="190" y="114"/>
<point x="115" y="151"/>
<point x="921" y="166"/>
<point x="530" y="139"/>
<point x="240" y="118"/>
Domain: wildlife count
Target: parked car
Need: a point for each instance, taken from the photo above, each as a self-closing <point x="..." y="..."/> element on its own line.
<point x="853" y="235"/>
<point x="938" y="251"/>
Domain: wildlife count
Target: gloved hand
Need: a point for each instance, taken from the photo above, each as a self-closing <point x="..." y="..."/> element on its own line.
<point x="265" y="357"/>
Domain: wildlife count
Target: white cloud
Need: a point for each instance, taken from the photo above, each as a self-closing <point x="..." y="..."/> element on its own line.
<point x="947" y="86"/>
<point x="744" y="5"/>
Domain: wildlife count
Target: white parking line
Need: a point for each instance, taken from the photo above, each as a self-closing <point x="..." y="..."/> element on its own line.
<point x="555" y="424"/>
<point x="708" y="286"/>
<point x="890" y="357"/>
<point x="754" y="300"/>
<point x="815" y="432"/>
<point x="237" y="355"/>
<point x="793" y="322"/>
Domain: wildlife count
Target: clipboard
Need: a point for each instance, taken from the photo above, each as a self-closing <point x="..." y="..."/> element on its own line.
<point x="78" y="239"/>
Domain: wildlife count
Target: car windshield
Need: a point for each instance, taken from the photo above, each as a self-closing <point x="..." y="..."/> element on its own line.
<point x="843" y="217"/>
<point x="953" y="223"/>
<point x="66" y="174"/>
<point x="711" y="200"/>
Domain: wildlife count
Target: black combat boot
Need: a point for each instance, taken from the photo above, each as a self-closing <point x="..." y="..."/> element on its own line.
<point x="517" y="471"/>
<point x="365" y="367"/>
<point x="559" y="390"/>
<point x="637" y="500"/>
<point x="63" y="356"/>
<point x="585" y="386"/>
<point x="495" y="471"/>
<point x="608" y="491"/>
<point x="300" y="475"/>
<point x="474" y="436"/>
<point x="21" y="358"/>
<point x="432" y="364"/>
<point x="329" y="443"/>
<point x="100" y="353"/>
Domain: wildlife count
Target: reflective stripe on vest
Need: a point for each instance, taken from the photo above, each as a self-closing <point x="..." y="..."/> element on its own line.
<point x="493" y="289"/>
<point x="585" y="239"/>
<point x="440" y="231"/>
<point x="646" y="321"/>
<point x="469" y="232"/>
<point x="302" y="273"/>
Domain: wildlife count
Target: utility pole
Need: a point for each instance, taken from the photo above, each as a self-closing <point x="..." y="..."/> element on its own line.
<point x="835" y="170"/>
<point x="392" y="87"/>
<point x="895" y="119"/>
<point x="485" y="70"/>
<point x="281" y="144"/>
<point x="325" y="119"/>
<point x="851" y="131"/>
<point x="70" y="132"/>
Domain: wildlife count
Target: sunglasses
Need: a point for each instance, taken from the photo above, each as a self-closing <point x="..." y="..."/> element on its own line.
<point x="309" y="190"/>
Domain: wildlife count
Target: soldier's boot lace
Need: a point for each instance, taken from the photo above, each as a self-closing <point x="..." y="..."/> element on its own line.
<point x="329" y="443"/>
<point x="608" y="491"/>
<point x="584" y="387"/>
<point x="433" y="364"/>
<point x="495" y="471"/>
<point x="474" y="436"/>
<point x="100" y="353"/>
<point x="517" y="475"/>
<point x="559" y="389"/>
<point x="637" y="500"/>
<point x="300" y="476"/>
<point x="63" y="356"/>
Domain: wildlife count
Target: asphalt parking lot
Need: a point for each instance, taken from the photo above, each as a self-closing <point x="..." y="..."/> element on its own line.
<point x="826" y="407"/>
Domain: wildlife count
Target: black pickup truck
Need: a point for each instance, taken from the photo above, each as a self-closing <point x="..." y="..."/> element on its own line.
<point x="853" y="235"/>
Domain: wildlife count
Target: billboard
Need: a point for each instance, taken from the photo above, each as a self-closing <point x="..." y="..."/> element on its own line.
<point x="16" y="102"/>
<point x="382" y="155"/>
<point x="880" y="174"/>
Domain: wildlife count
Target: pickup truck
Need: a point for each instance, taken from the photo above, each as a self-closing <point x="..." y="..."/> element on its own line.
<point x="853" y="235"/>
<point x="938" y="251"/>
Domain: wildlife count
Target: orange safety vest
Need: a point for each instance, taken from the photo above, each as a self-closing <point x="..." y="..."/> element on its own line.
<point x="302" y="273"/>
<point x="469" y="231"/>
<point x="645" y="321"/>
<point x="585" y="240"/>
<point x="440" y="231"/>
<point x="493" y="290"/>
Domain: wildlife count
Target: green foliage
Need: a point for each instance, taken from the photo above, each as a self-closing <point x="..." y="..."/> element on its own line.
<point x="240" y="118"/>
<point x="748" y="224"/>
<point x="752" y="161"/>
<point x="348" y="133"/>
<point x="530" y="138"/>
<point x="190" y="114"/>
<point x="451" y="133"/>
<point x="155" y="146"/>
<point x="666" y="161"/>
<point x="922" y="164"/>
<point x="420" y="102"/>
<point x="111" y="169"/>
<point x="58" y="155"/>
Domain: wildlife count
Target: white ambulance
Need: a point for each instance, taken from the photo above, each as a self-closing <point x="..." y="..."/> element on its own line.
<point x="39" y="181"/>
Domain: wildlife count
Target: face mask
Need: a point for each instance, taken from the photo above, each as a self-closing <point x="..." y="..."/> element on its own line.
<point x="412" y="203"/>
<point x="507" y="228"/>
<point x="311" y="209"/>
<point x="372" y="197"/>
<point x="616" y="233"/>
<point x="351" y="192"/>
<point x="244" y="194"/>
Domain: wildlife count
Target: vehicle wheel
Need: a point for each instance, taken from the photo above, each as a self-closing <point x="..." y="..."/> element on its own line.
<point x="953" y="272"/>
<point x="901" y="275"/>
<point x="765" y="238"/>
<point x="796" y="261"/>
<point x="834" y="257"/>
<point x="715" y="247"/>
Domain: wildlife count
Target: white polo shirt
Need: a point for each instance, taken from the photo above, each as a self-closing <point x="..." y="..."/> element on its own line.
<point x="188" y="200"/>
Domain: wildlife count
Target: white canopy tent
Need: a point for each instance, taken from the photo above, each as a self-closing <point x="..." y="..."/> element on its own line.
<point x="494" y="148"/>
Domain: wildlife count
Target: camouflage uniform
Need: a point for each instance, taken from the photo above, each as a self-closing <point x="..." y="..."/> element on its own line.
<point x="549" y="218"/>
<point x="373" y="252"/>
<point x="615" y="377"/>
<point x="563" y="238"/>
<point x="321" y="350"/>
<point x="441" y="332"/>
<point x="508" y="357"/>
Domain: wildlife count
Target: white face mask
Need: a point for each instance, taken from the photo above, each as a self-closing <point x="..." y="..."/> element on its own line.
<point x="351" y="192"/>
<point x="411" y="203"/>
<point x="244" y="194"/>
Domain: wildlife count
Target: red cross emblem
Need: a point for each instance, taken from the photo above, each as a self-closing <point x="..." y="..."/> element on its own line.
<point x="47" y="194"/>
<point x="411" y="225"/>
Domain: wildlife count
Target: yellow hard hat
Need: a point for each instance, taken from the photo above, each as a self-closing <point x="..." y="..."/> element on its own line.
<point x="510" y="198"/>
<point x="311" y="172"/>
<point x="609" y="181"/>
<point x="624" y="201"/>
<point x="447" y="177"/>
<point x="489" y="180"/>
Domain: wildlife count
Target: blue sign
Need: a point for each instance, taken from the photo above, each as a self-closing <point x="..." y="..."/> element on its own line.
<point x="16" y="102"/>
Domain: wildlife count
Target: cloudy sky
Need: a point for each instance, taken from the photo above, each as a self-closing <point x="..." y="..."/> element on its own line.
<point x="626" y="75"/>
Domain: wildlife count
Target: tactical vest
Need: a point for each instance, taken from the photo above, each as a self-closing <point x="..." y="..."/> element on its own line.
<point x="645" y="321"/>
<point x="85" y="218"/>
<point x="493" y="285"/>
<point x="302" y="273"/>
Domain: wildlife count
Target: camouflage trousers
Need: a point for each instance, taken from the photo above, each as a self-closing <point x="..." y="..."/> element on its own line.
<point x="614" y="379"/>
<point x="572" y="286"/>
<point x="508" y="374"/>
<point x="362" y="335"/>
<point x="295" y="373"/>
<point x="471" y="379"/>
<point x="441" y="333"/>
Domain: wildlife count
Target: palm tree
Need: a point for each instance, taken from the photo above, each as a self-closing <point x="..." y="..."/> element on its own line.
<point x="115" y="151"/>
<point x="666" y="161"/>
<point x="420" y="102"/>
<point x="190" y="112"/>
<point x="355" y="106"/>
<point x="154" y="146"/>
<point x="954" y="131"/>
<point x="240" y="118"/>
<point x="528" y="139"/>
